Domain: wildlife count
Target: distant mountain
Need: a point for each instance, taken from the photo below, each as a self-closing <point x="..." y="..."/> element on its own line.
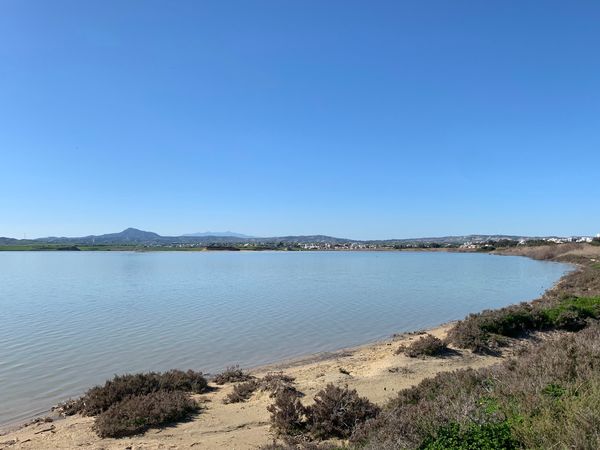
<point x="133" y="236"/>
<point x="218" y="234"/>
<point x="9" y="241"/>
<point x="127" y="236"/>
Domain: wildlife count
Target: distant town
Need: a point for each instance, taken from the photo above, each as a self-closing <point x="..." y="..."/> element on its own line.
<point x="134" y="239"/>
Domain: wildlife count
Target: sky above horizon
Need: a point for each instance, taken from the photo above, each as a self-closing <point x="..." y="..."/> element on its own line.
<point x="366" y="120"/>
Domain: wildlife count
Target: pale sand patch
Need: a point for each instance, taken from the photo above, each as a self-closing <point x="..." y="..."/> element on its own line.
<point x="375" y="372"/>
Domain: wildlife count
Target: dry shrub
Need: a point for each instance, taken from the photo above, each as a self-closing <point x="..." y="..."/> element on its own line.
<point x="468" y="334"/>
<point x="337" y="411"/>
<point x="302" y="445"/>
<point x="232" y="374"/>
<point x="242" y="392"/>
<point x="543" y="252"/>
<point x="100" y="398"/>
<point x="424" y="346"/>
<point x="137" y="413"/>
<point x="276" y="382"/>
<point x="287" y="414"/>
<point x="273" y="382"/>
<point x="584" y="282"/>
<point x="69" y="407"/>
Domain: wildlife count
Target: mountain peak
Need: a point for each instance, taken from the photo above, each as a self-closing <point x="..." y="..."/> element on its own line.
<point x="136" y="232"/>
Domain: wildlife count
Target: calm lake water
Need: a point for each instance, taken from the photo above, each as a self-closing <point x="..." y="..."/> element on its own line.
<point x="71" y="320"/>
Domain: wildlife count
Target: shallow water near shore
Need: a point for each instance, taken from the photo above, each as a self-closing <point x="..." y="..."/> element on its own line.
<point x="72" y="320"/>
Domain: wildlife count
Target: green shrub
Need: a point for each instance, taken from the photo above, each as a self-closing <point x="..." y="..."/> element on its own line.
<point x="509" y="321"/>
<point x="138" y="413"/>
<point x="582" y="307"/>
<point x="490" y="436"/>
<point x="483" y="332"/>
<point x="569" y="320"/>
<point x="100" y="398"/>
<point x="554" y="390"/>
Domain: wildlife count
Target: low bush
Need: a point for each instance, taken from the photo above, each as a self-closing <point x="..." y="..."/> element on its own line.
<point x="232" y="374"/>
<point x="287" y="414"/>
<point x="510" y="321"/>
<point x="581" y="307"/>
<point x="489" y="436"/>
<point x="275" y="382"/>
<point x="424" y="346"/>
<point x="137" y="413"/>
<point x="483" y="332"/>
<point x="242" y="392"/>
<point x="337" y="411"/>
<point x="468" y="334"/>
<point x="100" y="398"/>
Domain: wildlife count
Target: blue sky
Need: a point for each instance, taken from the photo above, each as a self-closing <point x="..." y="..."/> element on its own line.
<point x="355" y="119"/>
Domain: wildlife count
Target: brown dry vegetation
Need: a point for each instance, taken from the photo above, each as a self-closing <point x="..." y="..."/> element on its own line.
<point x="272" y="382"/>
<point x="232" y="374"/>
<point x="132" y="403"/>
<point x="427" y="345"/>
<point x="335" y="413"/>
<point x="137" y="413"/>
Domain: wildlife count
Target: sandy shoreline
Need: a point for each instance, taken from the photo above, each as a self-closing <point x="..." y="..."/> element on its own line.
<point x="373" y="369"/>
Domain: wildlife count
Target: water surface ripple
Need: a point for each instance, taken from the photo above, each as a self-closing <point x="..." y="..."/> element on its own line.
<point x="71" y="320"/>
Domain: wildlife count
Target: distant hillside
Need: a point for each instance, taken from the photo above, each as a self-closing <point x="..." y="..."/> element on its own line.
<point x="218" y="234"/>
<point x="133" y="236"/>
<point x="476" y="238"/>
<point x="10" y="241"/>
<point x="127" y="236"/>
<point x="317" y="238"/>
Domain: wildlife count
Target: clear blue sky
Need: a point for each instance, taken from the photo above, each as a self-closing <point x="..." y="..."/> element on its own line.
<point x="355" y="119"/>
